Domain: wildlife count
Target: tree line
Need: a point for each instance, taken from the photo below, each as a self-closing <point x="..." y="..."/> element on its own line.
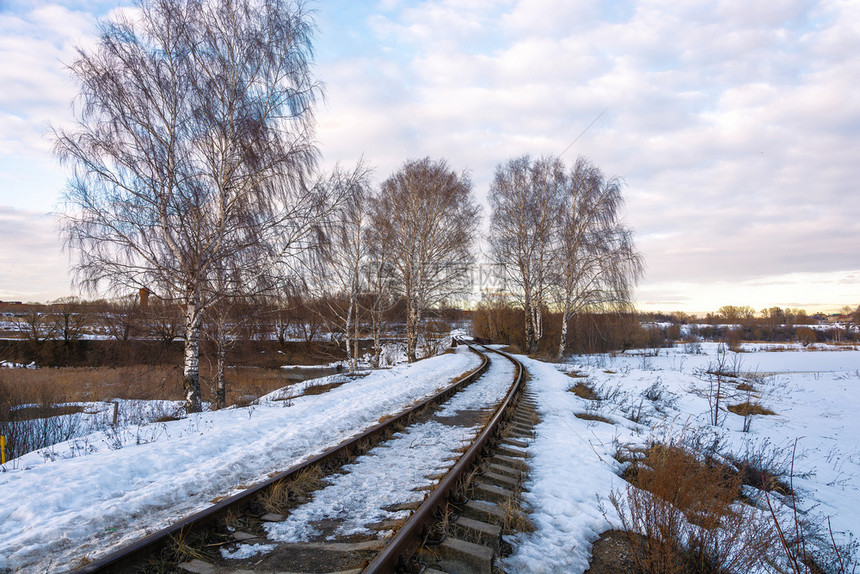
<point x="196" y="177"/>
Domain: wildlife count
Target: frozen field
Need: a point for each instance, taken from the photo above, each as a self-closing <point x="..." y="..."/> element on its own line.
<point x="815" y="395"/>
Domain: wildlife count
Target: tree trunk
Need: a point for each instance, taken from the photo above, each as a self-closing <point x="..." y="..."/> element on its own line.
<point x="562" y="340"/>
<point x="346" y="331"/>
<point x="220" y="387"/>
<point x="191" y="368"/>
<point x="376" y="327"/>
<point x="413" y="318"/>
<point x="355" y="341"/>
<point x="529" y="320"/>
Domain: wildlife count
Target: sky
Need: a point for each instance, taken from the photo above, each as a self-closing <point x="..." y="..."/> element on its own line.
<point x="735" y="125"/>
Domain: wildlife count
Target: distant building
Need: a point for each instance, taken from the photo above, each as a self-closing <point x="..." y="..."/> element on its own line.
<point x="144" y="294"/>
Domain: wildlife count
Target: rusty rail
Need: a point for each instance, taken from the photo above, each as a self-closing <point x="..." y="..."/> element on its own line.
<point x="409" y="536"/>
<point x="136" y="552"/>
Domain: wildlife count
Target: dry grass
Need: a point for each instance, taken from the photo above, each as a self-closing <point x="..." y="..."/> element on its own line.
<point x="80" y="384"/>
<point x="515" y="519"/>
<point x="577" y="375"/>
<point x="321" y="388"/>
<point x="744" y="386"/>
<point x="748" y="408"/>
<point x="186" y="546"/>
<point x="593" y="417"/>
<point x="584" y="391"/>
<point x="283" y="494"/>
<point x="74" y="384"/>
<point x="676" y="496"/>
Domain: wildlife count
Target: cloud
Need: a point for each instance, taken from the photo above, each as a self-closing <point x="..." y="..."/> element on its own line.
<point x="815" y="292"/>
<point x="734" y="125"/>
<point x="32" y="266"/>
<point x="35" y="46"/>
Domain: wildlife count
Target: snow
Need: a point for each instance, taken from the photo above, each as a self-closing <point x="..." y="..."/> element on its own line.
<point x="82" y="502"/>
<point x="247" y="551"/>
<point x="93" y="493"/>
<point x="570" y="462"/>
<point x="813" y="393"/>
<point x="390" y="473"/>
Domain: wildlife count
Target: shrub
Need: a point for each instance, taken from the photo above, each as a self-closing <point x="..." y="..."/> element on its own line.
<point x="680" y="514"/>
<point x="806" y="336"/>
<point x="734" y="338"/>
<point x="42" y="422"/>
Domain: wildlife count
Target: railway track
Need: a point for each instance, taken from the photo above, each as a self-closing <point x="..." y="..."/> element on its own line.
<point x="439" y="478"/>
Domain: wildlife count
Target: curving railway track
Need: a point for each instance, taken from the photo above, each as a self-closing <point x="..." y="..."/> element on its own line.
<point x="430" y="489"/>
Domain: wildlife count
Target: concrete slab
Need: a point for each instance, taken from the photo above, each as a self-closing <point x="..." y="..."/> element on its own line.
<point x="461" y="556"/>
<point x="511" y="451"/>
<point x="517" y="463"/>
<point x="515" y="442"/>
<point x="503" y="480"/>
<point x="491" y="492"/>
<point x="505" y="470"/>
<point x="479" y="528"/>
<point x="244" y="536"/>
<point x="197" y="567"/>
<point x="484" y="511"/>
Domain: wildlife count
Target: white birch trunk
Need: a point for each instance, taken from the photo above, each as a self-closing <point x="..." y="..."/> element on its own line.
<point x="562" y="341"/>
<point x="191" y="367"/>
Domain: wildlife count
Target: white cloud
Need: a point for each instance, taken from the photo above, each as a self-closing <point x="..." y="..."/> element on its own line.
<point x="35" y="47"/>
<point x="735" y="125"/>
<point x="32" y="265"/>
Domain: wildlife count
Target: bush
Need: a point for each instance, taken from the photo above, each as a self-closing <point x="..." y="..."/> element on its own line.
<point x="806" y="336"/>
<point x="680" y="514"/>
<point x="734" y="338"/>
<point x="30" y="424"/>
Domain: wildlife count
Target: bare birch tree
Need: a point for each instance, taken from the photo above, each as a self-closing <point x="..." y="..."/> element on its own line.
<point x="344" y="255"/>
<point x="525" y="197"/>
<point x="595" y="261"/>
<point x="379" y="280"/>
<point x="193" y="144"/>
<point x="429" y="217"/>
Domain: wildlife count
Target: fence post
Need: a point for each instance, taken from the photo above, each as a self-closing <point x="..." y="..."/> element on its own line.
<point x="2" y="449"/>
<point x="115" y="409"/>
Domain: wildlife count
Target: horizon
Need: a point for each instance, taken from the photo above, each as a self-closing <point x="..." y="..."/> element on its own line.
<point x="695" y="315"/>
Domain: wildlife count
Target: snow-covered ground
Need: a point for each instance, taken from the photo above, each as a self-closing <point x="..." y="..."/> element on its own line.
<point x="106" y="489"/>
<point x="815" y="395"/>
<point x="81" y="499"/>
<point x="391" y="473"/>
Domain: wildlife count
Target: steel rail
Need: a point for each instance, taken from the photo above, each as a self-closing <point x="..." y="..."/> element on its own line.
<point x="134" y="553"/>
<point x="400" y="548"/>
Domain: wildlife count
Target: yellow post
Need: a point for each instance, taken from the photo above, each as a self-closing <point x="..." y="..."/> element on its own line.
<point x="2" y="449"/>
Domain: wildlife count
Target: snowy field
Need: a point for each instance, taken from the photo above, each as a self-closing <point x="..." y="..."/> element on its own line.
<point x="815" y="395"/>
<point x="83" y="495"/>
<point x="106" y="489"/>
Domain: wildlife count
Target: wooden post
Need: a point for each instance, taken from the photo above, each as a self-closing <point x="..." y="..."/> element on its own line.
<point x="115" y="410"/>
